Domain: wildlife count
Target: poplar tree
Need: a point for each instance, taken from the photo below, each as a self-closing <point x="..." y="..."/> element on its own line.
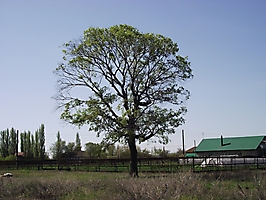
<point x="28" y="145"/>
<point x="22" y="142"/>
<point x="41" y="138"/>
<point x="12" y="142"/>
<point x="5" y="143"/>
<point x="78" y="143"/>
<point x="37" y="145"/>
<point x="57" y="147"/>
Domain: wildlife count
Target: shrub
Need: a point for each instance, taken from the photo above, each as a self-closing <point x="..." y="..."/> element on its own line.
<point x="10" y="157"/>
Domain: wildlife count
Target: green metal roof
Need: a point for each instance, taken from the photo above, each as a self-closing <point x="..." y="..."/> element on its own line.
<point x="191" y="155"/>
<point x="230" y="144"/>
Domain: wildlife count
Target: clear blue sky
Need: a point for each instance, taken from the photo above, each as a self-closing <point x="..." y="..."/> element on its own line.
<point x="224" y="40"/>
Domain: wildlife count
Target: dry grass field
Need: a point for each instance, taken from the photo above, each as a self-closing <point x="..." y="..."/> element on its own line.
<point x="33" y="184"/>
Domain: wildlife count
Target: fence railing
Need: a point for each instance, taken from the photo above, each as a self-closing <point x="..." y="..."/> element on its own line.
<point x="169" y="164"/>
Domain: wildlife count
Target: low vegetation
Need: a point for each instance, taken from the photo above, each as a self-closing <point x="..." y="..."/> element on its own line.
<point x="33" y="184"/>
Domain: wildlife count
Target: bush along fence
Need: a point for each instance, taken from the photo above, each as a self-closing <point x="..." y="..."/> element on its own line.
<point x="170" y="164"/>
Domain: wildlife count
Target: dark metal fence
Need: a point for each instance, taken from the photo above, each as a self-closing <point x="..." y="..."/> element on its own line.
<point x="171" y="164"/>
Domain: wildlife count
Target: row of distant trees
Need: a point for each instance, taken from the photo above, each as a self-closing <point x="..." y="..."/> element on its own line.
<point x="94" y="150"/>
<point x="8" y="142"/>
<point x="32" y="145"/>
<point x="61" y="149"/>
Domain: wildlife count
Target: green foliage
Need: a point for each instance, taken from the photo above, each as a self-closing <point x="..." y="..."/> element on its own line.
<point x="4" y="136"/>
<point x="144" y="73"/>
<point x="134" y="82"/>
<point x="12" y="142"/>
<point x="29" y="145"/>
<point x="123" y="151"/>
<point x="8" y="142"/>
<point x="37" y="145"/>
<point x="161" y="152"/>
<point x="56" y="148"/>
<point x="77" y="143"/>
<point x="10" y="157"/>
<point x="41" y="141"/>
<point x="62" y="149"/>
<point x="22" y="143"/>
<point x="33" y="144"/>
<point x="94" y="150"/>
<point x="110" y="151"/>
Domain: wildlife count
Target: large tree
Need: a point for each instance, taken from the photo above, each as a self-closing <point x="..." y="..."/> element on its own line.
<point x="134" y="83"/>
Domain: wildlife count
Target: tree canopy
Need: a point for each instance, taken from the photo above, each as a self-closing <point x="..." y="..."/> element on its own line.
<point x="134" y="84"/>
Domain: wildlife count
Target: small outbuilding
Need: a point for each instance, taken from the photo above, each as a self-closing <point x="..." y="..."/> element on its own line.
<point x="250" y="146"/>
<point x="191" y="152"/>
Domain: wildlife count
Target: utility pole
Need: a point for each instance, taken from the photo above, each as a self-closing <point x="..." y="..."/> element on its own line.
<point x="183" y="141"/>
<point x="17" y="149"/>
<point x="17" y="143"/>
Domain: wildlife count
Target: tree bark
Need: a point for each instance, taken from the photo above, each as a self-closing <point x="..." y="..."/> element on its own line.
<point x="133" y="157"/>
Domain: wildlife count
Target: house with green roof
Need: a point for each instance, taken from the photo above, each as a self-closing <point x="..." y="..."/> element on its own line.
<point x="232" y="146"/>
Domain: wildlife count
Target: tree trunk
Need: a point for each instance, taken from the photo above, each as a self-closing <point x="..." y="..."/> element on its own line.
<point x="133" y="157"/>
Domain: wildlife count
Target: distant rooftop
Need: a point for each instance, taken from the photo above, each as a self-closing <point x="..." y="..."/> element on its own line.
<point x="230" y="143"/>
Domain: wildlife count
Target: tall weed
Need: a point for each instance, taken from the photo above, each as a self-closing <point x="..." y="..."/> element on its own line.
<point x="187" y="185"/>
